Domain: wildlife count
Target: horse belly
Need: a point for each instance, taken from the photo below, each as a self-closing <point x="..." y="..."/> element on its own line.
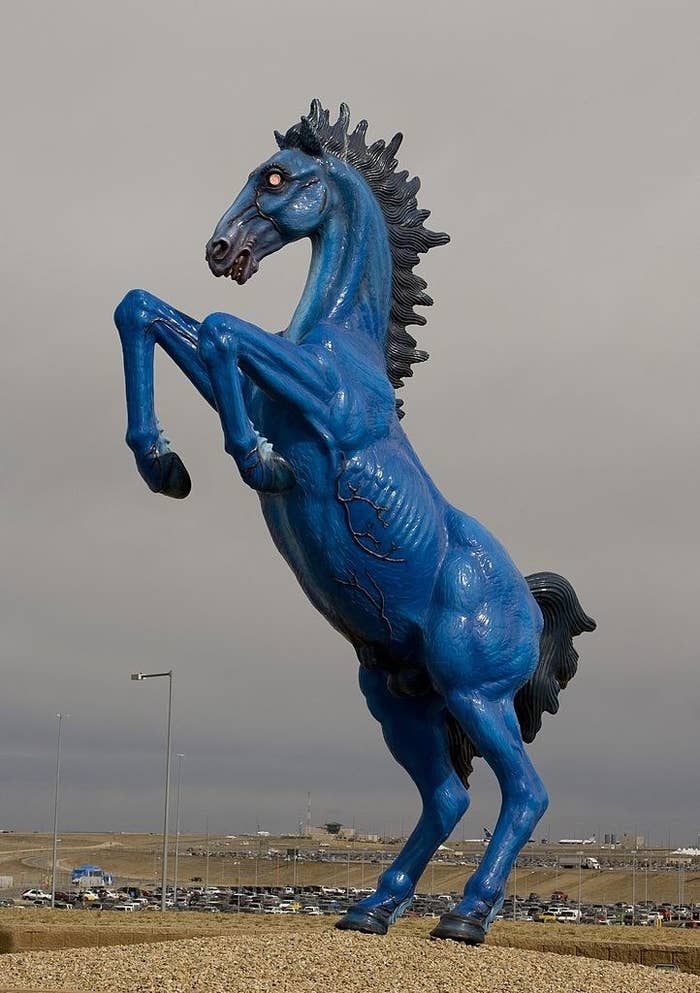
<point x="366" y="552"/>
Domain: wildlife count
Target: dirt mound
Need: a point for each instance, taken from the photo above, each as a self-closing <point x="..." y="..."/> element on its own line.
<point x="326" y="961"/>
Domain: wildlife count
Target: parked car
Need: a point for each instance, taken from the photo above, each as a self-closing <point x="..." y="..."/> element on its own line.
<point x="568" y="916"/>
<point x="35" y="894"/>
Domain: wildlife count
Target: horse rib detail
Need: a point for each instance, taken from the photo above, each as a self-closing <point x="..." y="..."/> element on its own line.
<point x="395" y="193"/>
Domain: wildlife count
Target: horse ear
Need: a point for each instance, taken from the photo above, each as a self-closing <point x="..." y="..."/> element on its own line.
<point x="309" y="139"/>
<point x="279" y="138"/>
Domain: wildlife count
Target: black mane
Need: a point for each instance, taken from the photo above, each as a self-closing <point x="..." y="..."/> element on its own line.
<point x="396" y="195"/>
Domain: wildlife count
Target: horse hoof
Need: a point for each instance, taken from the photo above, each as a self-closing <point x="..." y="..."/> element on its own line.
<point x="176" y="478"/>
<point x="167" y="474"/>
<point x="458" y="928"/>
<point x="367" y="921"/>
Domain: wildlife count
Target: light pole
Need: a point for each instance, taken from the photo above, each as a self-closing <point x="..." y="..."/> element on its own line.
<point x="55" y="810"/>
<point x="239" y="885"/>
<point x="634" y="884"/>
<point x="646" y="883"/>
<point x="179" y="757"/>
<point x="206" y="862"/>
<point x="580" y="867"/>
<point x="155" y="675"/>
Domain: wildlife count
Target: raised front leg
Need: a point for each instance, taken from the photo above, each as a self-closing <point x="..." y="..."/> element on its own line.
<point x="288" y="372"/>
<point x="414" y="730"/>
<point x="144" y="321"/>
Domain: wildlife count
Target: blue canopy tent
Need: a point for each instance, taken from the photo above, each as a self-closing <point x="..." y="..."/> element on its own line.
<point x="92" y="872"/>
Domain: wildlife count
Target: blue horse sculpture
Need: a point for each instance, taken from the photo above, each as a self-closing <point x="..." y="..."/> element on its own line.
<point x="459" y="653"/>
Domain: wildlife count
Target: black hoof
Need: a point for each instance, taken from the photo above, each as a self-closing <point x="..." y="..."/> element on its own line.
<point x="176" y="478"/>
<point x="167" y="474"/>
<point x="458" y="928"/>
<point x="367" y="921"/>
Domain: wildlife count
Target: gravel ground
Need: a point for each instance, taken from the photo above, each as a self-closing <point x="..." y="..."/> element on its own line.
<point x="326" y="962"/>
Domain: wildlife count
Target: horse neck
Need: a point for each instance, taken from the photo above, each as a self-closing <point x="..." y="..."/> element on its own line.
<point x="349" y="281"/>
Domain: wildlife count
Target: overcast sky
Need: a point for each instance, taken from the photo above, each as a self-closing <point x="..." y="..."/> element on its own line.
<point x="559" y="144"/>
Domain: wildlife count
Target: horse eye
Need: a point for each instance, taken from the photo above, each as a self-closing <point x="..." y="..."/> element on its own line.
<point x="274" y="179"/>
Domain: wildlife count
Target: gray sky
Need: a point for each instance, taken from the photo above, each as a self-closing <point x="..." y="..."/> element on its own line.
<point x="559" y="144"/>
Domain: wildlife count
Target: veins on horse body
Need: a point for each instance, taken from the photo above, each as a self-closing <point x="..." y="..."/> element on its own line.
<point x="379" y="509"/>
<point x="376" y="599"/>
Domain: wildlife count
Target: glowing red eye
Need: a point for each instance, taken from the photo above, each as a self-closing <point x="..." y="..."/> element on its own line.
<point x="275" y="179"/>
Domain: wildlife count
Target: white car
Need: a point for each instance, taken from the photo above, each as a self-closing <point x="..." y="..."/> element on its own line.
<point x="568" y="916"/>
<point x="35" y="894"/>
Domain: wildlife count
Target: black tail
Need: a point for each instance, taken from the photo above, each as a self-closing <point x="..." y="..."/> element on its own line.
<point x="564" y="619"/>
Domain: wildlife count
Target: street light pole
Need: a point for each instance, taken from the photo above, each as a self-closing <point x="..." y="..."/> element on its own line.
<point x="155" y="675"/>
<point x="646" y="883"/>
<point x="55" y="810"/>
<point x="180" y="757"/>
<point x="580" y="867"/>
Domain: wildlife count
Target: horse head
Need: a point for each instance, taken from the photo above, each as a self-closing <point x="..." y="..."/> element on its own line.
<point x="327" y="184"/>
<point x="285" y="199"/>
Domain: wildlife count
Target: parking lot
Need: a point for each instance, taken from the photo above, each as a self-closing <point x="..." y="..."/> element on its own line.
<point x="317" y="900"/>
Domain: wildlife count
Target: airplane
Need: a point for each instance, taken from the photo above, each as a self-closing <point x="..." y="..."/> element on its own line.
<point x="483" y="840"/>
<point x="578" y="841"/>
<point x="486" y="837"/>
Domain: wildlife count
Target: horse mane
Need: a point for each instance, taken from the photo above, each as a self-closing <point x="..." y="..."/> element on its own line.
<point x="395" y="194"/>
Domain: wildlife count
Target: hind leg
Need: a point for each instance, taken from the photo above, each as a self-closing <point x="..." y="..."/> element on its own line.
<point x="414" y="730"/>
<point x="493" y="727"/>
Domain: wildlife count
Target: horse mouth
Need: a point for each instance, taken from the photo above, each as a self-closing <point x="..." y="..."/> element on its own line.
<point x="243" y="267"/>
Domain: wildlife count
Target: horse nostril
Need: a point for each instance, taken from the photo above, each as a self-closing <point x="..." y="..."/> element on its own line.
<point x="219" y="248"/>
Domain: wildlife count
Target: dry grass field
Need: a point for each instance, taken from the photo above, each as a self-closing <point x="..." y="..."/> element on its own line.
<point x="136" y="858"/>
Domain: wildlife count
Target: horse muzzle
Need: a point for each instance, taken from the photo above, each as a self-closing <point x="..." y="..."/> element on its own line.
<point x="239" y="243"/>
<point x="238" y="265"/>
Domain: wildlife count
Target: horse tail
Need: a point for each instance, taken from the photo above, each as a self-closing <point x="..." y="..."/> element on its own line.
<point x="564" y="619"/>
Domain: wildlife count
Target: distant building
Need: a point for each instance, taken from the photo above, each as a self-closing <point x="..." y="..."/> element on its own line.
<point x="684" y="856"/>
<point x="633" y="840"/>
<point x="333" y="829"/>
